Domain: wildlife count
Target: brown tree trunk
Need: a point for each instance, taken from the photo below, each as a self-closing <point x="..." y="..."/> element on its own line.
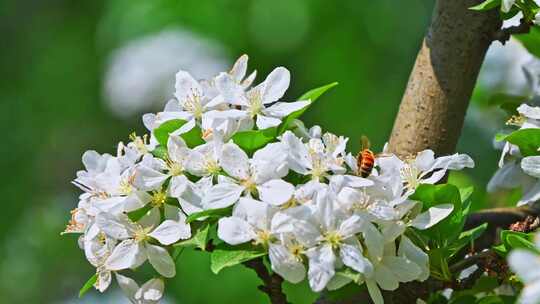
<point x="433" y="107"/>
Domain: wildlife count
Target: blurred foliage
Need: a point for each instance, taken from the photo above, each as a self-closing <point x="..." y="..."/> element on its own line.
<point x="54" y="57"/>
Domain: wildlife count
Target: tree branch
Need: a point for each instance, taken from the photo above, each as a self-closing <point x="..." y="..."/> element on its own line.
<point x="504" y="34"/>
<point x="271" y="282"/>
<point x="433" y="106"/>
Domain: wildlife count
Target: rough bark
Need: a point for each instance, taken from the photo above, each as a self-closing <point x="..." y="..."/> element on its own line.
<point x="433" y="107"/>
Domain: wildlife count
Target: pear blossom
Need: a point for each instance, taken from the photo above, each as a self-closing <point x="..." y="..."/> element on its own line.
<point x="253" y="103"/>
<point x="389" y="271"/>
<point x="332" y="236"/>
<point x="261" y="175"/>
<point x="250" y="221"/>
<point x="134" y="248"/>
<point x="423" y="169"/>
<point x="315" y="158"/>
<point x="153" y="172"/>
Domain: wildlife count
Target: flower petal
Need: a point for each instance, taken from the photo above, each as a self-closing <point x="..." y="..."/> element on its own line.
<point x="265" y="122"/>
<point x="186" y="86"/>
<point x="275" y="192"/>
<point x="222" y="195"/>
<point x="352" y="256"/>
<point x="432" y="216"/>
<point x="161" y="260"/>
<point x="275" y="84"/>
<point x="170" y="232"/>
<point x="234" y="230"/>
<point x="286" y="264"/>
<point x="235" y="161"/>
<point x="321" y="267"/>
<point x="282" y="109"/>
<point x="127" y="254"/>
<point x="531" y="165"/>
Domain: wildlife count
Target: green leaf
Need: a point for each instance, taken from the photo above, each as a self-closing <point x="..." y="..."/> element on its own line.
<point x="447" y="230"/>
<point x="466" y="237"/>
<point x="528" y="141"/>
<point x="500" y="136"/>
<point x="139" y="213"/>
<point x="514" y="239"/>
<point x="465" y="299"/>
<point x="160" y="152"/>
<point x="499" y="299"/>
<point x="465" y="193"/>
<point x="500" y="250"/>
<point x="310" y="95"/>
<point x="210" y="213"/>
<point x="192" y="138"/>
<point x="531" y="41"/>
<point x="252" y="140"/>
<point x="199" y="239"/>
<point x="225" y="255"/>
<point x="88" y="285"/>
<point x="486" y="5"/>
<point x="485" y="284"/>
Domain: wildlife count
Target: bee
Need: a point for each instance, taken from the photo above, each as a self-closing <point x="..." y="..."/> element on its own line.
<point x="365" y="159"/>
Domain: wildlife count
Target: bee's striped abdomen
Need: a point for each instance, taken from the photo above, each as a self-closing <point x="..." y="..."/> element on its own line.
<point x="365" y="162"/>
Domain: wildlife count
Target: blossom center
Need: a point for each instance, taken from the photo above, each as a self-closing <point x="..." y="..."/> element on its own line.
<point x="158" y="198"/>
<point x="410" y="176"/>
<point x="139" y="142"/>
<point x="319" y="168"/>
<point x="516" y="120"/>
<point x="255" y="104"/>
<point x="141" y="234"/>
<point x="211" y="165"/>
<point x="333" y="238"/>
<point x="193" y="104"/>
<point x="263" y="237"/>
<point x="249" y="185"/>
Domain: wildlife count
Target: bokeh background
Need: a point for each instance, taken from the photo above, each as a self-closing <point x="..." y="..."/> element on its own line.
<point x="77" y="75"/>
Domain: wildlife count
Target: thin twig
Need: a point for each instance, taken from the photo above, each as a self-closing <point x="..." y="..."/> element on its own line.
<point x="504" y="34"/>
<point x="271" y="282"/>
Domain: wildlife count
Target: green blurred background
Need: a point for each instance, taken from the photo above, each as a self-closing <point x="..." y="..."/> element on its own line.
<point x="77" y="75"/>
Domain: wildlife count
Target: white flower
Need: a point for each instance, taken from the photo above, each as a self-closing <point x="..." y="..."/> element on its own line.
<point x="330" y="234"/>
<point x="150" y="292"/>
<point x="134" y="248"/>
<point x="423" y="169"/>
<point x="362" y="203"/>
<point x="526" y="265"/>
<point x="250" y="220"/>
<point x="254" y="102"/>
<point x="191" y="199"/>
<point x="204" y="160"/>
<point x="389" y="272"/>
<point x="318" y="157"/>
<point x="260" y="175"/>
<point x="287" y="258"/>
<point x="97" y="248"/>
<point x="153" y="172"/>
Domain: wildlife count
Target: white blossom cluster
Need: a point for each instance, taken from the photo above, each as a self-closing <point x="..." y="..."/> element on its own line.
<point x="514" y="169"/>
<point x="299" y="198"/>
